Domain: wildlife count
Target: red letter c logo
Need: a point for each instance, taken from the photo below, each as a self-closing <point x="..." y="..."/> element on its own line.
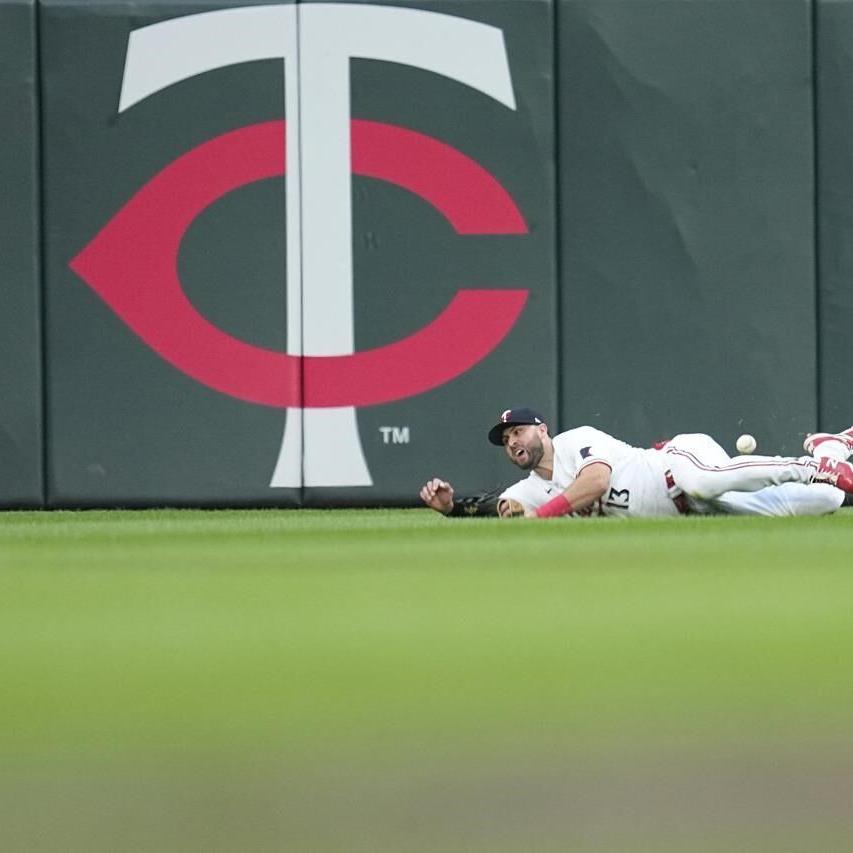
<point x="132" y="265"/>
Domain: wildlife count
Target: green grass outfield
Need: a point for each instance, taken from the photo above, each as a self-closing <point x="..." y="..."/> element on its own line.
<point x="392" y="680"/>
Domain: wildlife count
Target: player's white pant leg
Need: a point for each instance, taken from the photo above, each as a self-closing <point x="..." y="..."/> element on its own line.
<point x="702" y="469"/>
<point x="785" y="500"/>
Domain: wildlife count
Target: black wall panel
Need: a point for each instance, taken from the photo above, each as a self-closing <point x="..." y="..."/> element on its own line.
<point x="686" y="200"/>
<point x="21" y="430"/>
<point x="834" y="54"/>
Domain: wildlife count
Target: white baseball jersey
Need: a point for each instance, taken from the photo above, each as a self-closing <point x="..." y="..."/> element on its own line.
<point x="638" y="485"/>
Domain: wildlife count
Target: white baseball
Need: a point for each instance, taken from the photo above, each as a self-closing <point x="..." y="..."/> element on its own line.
<point x="746" y="444"/>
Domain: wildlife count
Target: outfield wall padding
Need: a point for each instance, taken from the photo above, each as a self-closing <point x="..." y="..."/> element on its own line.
<point x="834" y="128"/>
<point x="410" y="262"/>
<point x="431" y="292"/>
<point x="304" y="254"/>
<point x="128" y="427"/>
<point x="21" y="452"/>
<point x="686" y="202"/>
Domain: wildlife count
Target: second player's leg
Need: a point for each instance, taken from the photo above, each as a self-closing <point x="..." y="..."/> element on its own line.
<point x="826" y="445"/>
<point x="785" y="500"/>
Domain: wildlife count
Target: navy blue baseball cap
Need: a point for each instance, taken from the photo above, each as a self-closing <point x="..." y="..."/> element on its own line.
<point x="510" y="418"/>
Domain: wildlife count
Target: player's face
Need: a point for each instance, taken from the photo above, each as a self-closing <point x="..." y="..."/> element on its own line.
<point x="523" y="445"/>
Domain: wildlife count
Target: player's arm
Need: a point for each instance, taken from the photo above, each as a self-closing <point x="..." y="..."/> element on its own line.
<point x="590" y="485"/>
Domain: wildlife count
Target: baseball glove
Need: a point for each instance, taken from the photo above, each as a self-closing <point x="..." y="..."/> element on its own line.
<point x="486" y="504"/>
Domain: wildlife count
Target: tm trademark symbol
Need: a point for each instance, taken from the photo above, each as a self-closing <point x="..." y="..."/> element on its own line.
<point x="394" y="435"/>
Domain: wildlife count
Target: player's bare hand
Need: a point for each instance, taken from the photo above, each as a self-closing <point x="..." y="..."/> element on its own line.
<point x="437" y="494"/>
<point x="509" y="508"/>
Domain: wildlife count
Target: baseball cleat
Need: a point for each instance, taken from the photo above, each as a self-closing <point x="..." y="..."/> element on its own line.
<point x="835" y="473"/>
<point x="817" y="438"/>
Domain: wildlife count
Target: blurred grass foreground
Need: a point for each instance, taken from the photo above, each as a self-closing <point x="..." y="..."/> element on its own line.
<point x="392" y="680"/>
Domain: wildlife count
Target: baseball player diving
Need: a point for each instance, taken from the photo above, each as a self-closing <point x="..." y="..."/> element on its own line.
<point x="584" y="472"/>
